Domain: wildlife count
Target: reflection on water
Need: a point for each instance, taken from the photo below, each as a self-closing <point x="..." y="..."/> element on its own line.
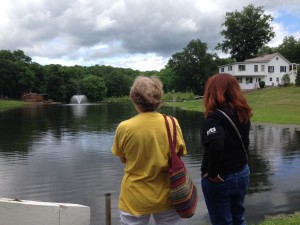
<point x="275" y="165"/>
<point x="62" y="154"/>
<point x="79" y="110"/>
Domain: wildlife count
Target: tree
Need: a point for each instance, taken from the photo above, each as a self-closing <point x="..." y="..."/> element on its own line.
<point x="117" y="83"/>
<point x="39" y="81"/>
<point x="246" y="32"/>
<point x="290" y="49"/>
<point x="266" y="50"/>
<point x="94" y="88"/>
<point x="26" y="80"/>
<point x="166" y="76"/>
<point x="223" y="61"/>
<point x="15" y="73"/>
<point x="192" y="67"/>
<point x="55" y="83"/>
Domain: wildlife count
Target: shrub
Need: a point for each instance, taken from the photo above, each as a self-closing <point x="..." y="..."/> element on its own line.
<point x="178" y="96"/>
<point x="262" y="84"/>
<point x="286" y="80"/>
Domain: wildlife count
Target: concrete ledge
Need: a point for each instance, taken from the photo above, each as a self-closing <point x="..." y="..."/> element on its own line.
<point x="23" y="212"/>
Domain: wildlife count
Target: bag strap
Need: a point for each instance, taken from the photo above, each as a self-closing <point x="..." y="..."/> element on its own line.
<point x="236" y="129"/>
<point x="172" y="142"/>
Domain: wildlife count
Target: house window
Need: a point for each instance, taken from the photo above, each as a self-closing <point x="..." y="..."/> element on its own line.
<point x="282" y="69"/>
<point x="270" y="78"/>
<point x="262" y="67"/>
<point x="249" y="80"/>
<point x="293" y="67"/>
<point x="229" y="68"/>
<point x="276" y="58"/>
<point x="255" y="68"/>
<point x="242" y="67"/>
<point x="271" y="69"/>
<point x="277" y="79"/>
<point x="239" y="79"/>
<point x="222" y="70"/>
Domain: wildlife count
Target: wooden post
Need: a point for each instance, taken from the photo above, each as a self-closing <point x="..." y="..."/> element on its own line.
<point x="108" y="208"/>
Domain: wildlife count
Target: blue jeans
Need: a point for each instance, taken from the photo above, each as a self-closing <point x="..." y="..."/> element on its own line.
<point x="225" y="200"/>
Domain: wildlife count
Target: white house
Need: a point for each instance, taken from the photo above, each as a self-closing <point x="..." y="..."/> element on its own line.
<point x="269" y="68"/>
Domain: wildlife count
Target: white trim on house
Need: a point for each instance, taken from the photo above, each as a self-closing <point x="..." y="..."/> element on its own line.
<point x="269" y="68"/>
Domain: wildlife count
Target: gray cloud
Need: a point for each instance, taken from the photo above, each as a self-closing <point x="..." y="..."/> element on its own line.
<point x="93" y="31"/>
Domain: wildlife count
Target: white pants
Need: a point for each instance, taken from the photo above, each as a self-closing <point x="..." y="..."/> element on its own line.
<point x="169" y="217"/>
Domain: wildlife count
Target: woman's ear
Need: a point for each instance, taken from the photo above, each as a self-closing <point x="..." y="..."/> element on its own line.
<point x="137" y="108"/>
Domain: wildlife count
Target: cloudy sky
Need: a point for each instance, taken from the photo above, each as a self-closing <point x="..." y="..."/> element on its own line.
<point x="137" y="34"/>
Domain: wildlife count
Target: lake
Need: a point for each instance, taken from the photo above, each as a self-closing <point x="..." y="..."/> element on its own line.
<point x="62" y="153"/>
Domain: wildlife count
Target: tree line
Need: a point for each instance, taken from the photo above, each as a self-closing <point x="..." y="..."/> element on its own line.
<point x="245" y="35"/>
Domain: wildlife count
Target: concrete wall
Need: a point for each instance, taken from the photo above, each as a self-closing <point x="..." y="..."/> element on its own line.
<point x="22" y="212"/>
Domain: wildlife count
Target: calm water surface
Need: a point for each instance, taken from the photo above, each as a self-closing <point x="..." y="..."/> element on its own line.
<point x="62" y="153"/>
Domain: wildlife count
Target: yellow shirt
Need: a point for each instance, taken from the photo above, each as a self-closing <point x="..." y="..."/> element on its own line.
<point x="143" y="140"/>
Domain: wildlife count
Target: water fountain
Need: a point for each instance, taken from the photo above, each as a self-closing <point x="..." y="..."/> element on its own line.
<point x="78" y="99"/>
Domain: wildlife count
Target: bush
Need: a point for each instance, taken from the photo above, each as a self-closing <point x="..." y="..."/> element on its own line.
<point x="178" y="96"/>
<point x="286" y="80"/>
<point x="262" y="84"/>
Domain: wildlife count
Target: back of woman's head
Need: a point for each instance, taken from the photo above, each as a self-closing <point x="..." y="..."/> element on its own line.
<point x="147" y="93"/>
<point x="222" y="91"/>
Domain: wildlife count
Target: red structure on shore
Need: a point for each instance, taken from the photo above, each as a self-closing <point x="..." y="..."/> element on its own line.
<point x="34" y="97"/>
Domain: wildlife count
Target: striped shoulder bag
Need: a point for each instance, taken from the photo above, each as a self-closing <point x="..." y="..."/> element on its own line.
<point x="183" y="192"/>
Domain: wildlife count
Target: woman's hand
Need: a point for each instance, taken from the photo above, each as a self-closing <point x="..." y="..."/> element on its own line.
<point x="122" y="158"/>
<point x="215" y="179"/>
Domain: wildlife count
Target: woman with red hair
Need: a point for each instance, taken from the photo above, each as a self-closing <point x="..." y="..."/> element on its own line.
<point x="225" y="171"/>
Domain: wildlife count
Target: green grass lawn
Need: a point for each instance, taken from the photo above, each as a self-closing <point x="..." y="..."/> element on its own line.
<point x="10" y="104"/>
<point x="277" y="105"/>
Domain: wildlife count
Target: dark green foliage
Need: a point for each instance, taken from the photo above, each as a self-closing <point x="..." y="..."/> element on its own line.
<point x="192" y="67"/>
<point x="286" y="80"/>
<point x="186" y="72"/>
<point x="94" y="88"/>
<point x="223" y="61"/>
<point x="19" y="75"/>
<point x="15" y="75"/>
<point x="262" y="84"/>
<point x="290" y="49"/>
<point x="246" y="32"/>
<point x="118" y="83"/>
<point x="266" y="50"/>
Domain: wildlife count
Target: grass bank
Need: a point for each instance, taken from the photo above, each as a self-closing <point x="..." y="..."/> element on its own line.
<point x="282" y="220"/>
<point x="277" y="105"/>
<point x="10" y="104"/>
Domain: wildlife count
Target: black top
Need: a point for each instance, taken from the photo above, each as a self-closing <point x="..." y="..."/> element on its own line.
<point x="224" y="152"/>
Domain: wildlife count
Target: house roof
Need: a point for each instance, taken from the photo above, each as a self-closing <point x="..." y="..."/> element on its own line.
<point x="265" y="58"/>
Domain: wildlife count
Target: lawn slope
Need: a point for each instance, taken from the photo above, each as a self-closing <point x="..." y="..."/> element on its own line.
<point x="276" y="105"/>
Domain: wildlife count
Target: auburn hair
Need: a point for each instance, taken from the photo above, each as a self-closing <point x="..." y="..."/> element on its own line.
<point x="222" y="91"/>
